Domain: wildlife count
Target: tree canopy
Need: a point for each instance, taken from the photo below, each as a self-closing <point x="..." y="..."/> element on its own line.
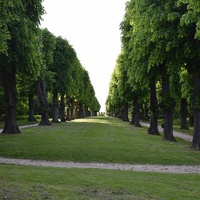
<point x="160" y="44"/>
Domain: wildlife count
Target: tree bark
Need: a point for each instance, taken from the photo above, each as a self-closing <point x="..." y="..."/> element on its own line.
<point x="8" y="78"/>
<point x="132" y="115"/>
<point x="196" y="110"/>
<point x="125" y="112"/>
<point x="41" y="90"/>
<point x="31" y="108"/>
<point x="62" y="108"/>
<point x="68" y="110"/>
<point x="153" y="129"/>
<point x="72" y="110"/>
<point x="80" y="110"/>
<point x="144" y="111"/>
<point x="167" y="106"/>
<point x="76" y="109"/>
<point x="55" y="107"/>
<point x="136" y="112"/>
<point x="184" y="113"/>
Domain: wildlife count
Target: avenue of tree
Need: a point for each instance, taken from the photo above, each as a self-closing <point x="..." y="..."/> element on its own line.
<point x="157" y="73"/>
<point x="35" y="63"/>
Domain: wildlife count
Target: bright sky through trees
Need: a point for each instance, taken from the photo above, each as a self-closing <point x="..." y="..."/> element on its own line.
<point x="92" y="28"/>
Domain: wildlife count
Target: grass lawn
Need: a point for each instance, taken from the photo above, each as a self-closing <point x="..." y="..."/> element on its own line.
<point x="27" y="183"/>
<point x="20" y="123"/>
<point x="97" y="139"/>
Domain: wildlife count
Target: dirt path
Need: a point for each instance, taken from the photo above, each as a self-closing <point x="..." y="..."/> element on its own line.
<point x="124" y="167"/>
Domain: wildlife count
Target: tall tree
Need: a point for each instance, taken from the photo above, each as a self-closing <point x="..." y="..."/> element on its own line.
<point x="137" y="42"/>
<point x="48" y="42"/>
<point x="62" y="70"/>
<point x="23" y="52"/>
<point x="190" y="35"/>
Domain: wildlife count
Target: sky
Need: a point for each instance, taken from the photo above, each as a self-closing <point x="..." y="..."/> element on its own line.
<point x="92" y="28"/>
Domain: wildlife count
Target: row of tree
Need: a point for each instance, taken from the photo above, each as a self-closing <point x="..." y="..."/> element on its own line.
<point x="34" y="61"/>
<point x="157" y="71"/>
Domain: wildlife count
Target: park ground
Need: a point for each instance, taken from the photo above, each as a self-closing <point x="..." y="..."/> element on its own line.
<point x="96" y="158"/>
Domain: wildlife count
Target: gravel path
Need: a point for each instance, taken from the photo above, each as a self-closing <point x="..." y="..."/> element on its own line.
<point x="124" y="167"/>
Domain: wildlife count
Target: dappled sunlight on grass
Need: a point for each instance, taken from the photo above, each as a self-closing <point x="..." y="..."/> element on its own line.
<point x="99" y="120"/>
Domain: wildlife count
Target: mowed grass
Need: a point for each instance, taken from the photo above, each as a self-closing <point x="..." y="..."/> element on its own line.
<point x="27" y="183"/>
<point x="97" y="139"/>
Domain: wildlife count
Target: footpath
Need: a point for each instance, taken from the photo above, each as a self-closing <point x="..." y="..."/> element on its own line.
<point x="177" y="134"/>
<point x="109" y="166"/>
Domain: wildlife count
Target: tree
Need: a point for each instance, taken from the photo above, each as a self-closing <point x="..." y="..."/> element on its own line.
<point x="5" y="17"/>
<point x="136" y="40"/>
<point x="190" y="36"/>
<point x="23" y="52"/>
<point x="61" y="67"/>
<point x="191" y="16"/>
<point x="48" y="42"/>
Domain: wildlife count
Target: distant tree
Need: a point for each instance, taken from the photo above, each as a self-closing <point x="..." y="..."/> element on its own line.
<point x="124" y="88"/>
<point x="62" y="70"/>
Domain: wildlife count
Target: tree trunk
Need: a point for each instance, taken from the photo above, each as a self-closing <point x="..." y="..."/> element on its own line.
<point x="86" y="111"/>
<point x="132" y="115"/>
<point x="125" y="113"/>
<point x="168" y="126"/>
<point x="31" y="117"/>
<point x="76" y="106"/>
<point x="72" y="110"/>
<point x="136" y="112"/>
<point x="68" y="118"/>
<point x="8" y="78"/>
<point x="55" y="107"/>
<point x="184" y="114"/>
<point x="191" y="118"/>
<point x="62" y="108"/>
<point x="80" y="111"/>
<point x="68" y="106"/>
<point x="144" y="111"/>
<point x="41" y="90"/>
<point x="153" y="129"/>
<point x="196" y="136"/>
<point x="196" y="110"/>
<point x="167" y="105"/>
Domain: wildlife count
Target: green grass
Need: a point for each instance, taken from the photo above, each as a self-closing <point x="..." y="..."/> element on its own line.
<point x="189" y="131"/>
<point x="21" y="122"/>
<point x="98" y="139"/>
<point x="27" y="183"/>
